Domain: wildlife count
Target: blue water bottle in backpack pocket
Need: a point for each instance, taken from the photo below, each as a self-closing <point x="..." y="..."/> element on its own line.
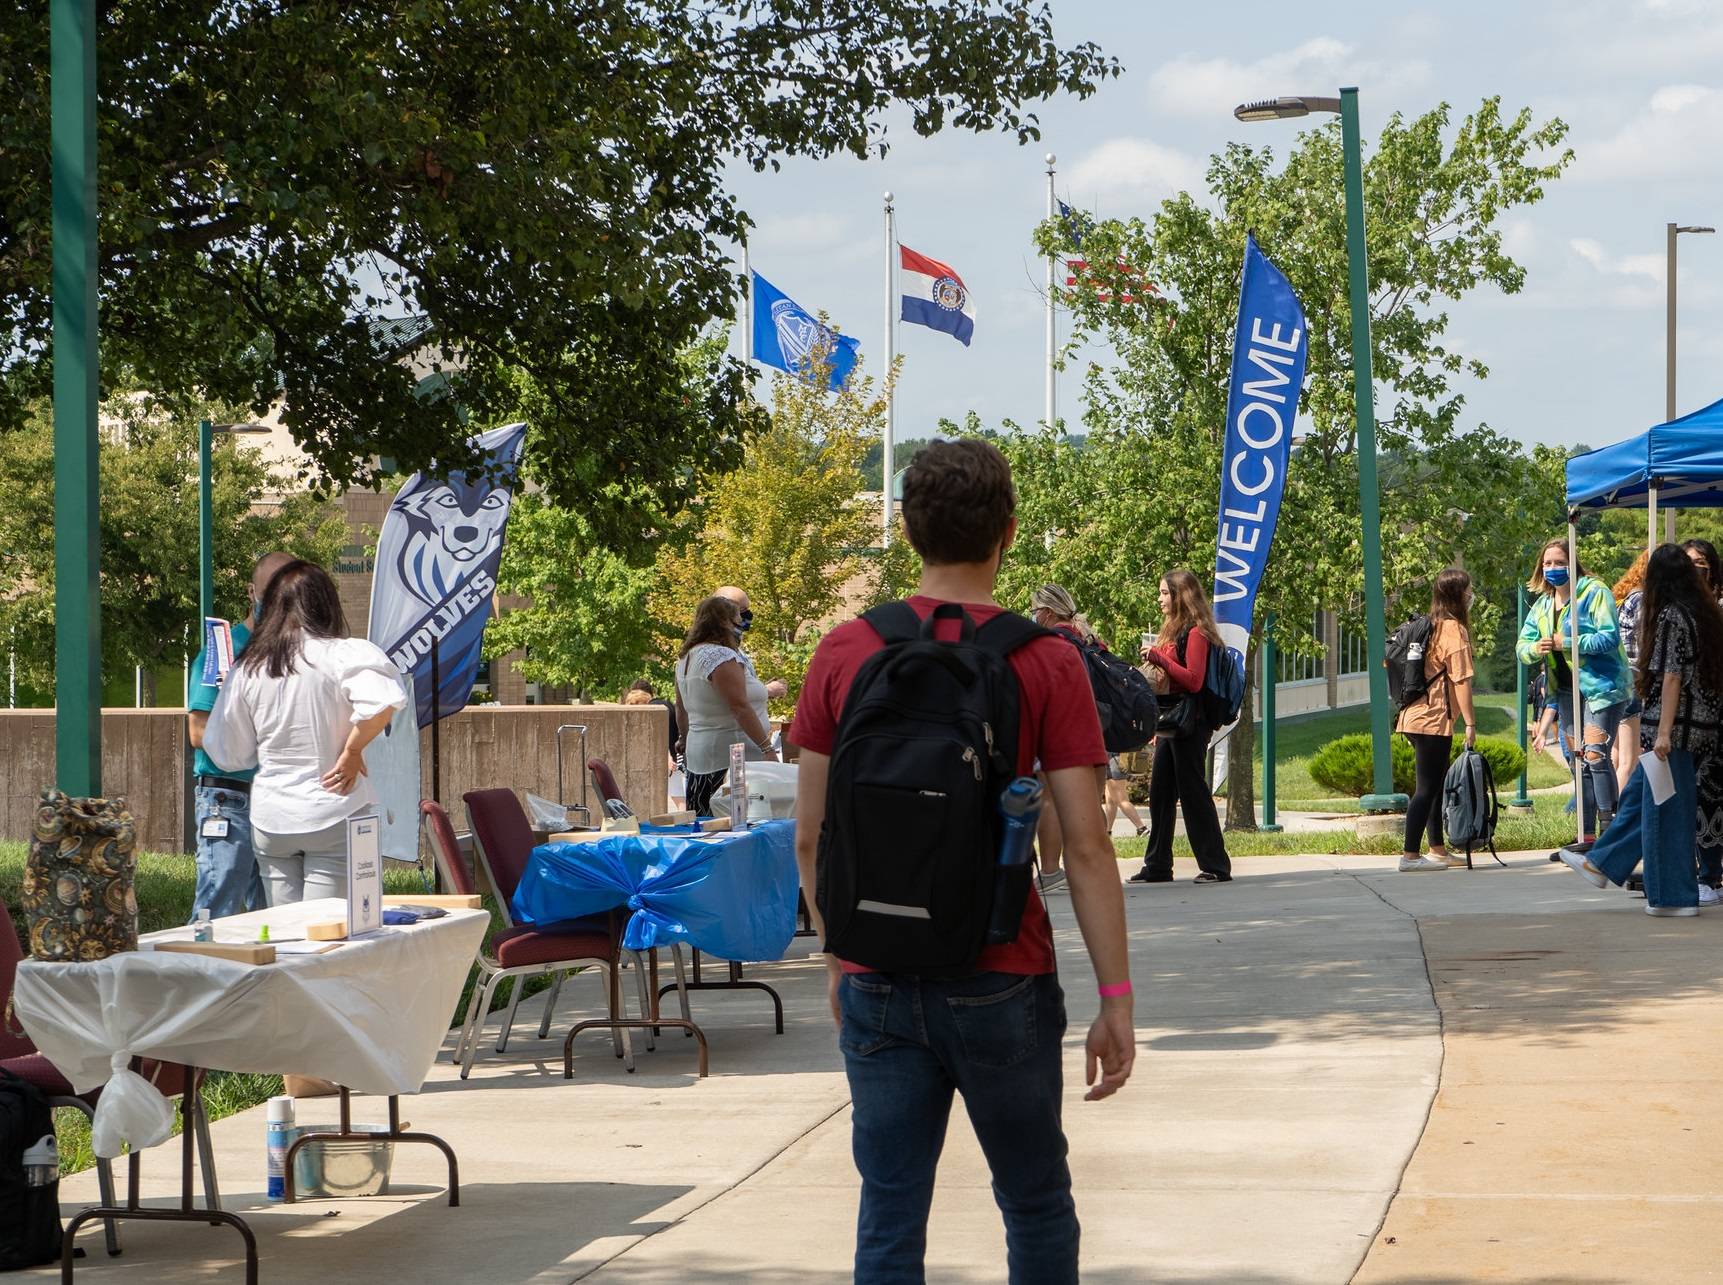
<point x="1020" y="806"/>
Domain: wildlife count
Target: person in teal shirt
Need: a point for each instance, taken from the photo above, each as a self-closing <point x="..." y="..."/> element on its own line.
<point x="228" y="882"/>
<point x="1567" y="596"/>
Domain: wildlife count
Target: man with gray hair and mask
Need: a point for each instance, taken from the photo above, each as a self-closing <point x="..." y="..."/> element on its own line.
<point x="777" y="688"/>
<point x="228" y="882"/>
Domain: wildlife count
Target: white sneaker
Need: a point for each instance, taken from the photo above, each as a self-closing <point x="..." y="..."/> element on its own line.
<point x="1709" y="896"/>
<point x="1453" y="858"/>
<point x="1410" y="864"/>
<point x="1671" y="912"/>
<point x="1580" y="864"/>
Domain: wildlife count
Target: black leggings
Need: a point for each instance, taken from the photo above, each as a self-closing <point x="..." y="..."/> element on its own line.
<point x="1425" y="810"/>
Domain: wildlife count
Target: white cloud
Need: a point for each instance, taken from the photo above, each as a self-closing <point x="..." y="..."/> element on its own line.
<point x="1193" y="86"/>
<point x="1679" y="128"/>
<point x="1649" y="266"/>
<point x="1137" y="170"/>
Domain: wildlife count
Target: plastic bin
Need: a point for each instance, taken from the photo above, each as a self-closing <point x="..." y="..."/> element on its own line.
<point x="343" y="1167"/>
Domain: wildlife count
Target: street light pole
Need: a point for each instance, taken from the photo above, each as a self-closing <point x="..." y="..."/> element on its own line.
<point x="77" y="547"/>
<point x="205" y="527"/>
<point x="1671" y="231"/>
<point x="1383" y="798"/>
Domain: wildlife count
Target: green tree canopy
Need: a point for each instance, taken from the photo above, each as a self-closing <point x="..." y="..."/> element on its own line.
<point x="149" y="534"/>
<point x="1144" y="496"/>
<point x="543" y="180"/>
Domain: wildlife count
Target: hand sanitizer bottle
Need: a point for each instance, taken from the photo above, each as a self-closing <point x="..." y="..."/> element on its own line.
<point x="280" y="1138"/>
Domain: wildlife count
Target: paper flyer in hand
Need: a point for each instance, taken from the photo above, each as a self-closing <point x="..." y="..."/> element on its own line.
<point x="217" y="650"/>
<point x="1658" y="777"/>
<point x="364" y="874"/>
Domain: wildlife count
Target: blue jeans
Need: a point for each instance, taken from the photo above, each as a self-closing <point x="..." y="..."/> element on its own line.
<point x="1661" y="837"/>
<point x="227" y="878"/>
<point x="908" y="1042"/>
<point x="1597" y="767"/>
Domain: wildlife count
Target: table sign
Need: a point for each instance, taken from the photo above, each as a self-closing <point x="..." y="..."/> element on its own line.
<point x="738" y="786"/>
<point x="364" y="874"/>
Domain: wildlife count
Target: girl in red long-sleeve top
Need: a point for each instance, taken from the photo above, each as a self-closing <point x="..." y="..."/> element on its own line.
<point x="1178" y="781"/>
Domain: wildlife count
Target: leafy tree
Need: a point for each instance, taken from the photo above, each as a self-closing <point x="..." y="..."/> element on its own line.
<point x="545" y="181"/>
<point x="149" y="534"/>
<point x="1433" y="200"/>
<point x="786" y="526"/>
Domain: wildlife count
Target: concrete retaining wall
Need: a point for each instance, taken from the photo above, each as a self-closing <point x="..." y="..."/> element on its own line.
<point x="144" y="755"/>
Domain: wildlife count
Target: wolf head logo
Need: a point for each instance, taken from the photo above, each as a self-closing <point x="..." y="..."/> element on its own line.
<point x="452" y="529"/>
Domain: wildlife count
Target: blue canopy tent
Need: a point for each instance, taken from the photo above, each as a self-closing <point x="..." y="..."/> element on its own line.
<point x="1678" y="465"/>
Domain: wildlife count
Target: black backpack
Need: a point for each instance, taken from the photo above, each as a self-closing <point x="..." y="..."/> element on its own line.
<point x="926" y="745"/>
<point x="1405" y="660"/>
<point x="1123" y="698"/>
<point x="29" y="1214"/>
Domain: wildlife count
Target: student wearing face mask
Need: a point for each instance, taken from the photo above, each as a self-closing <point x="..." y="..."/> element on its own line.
<point x="719" y="700"/>
<point x="1570" y="600"/>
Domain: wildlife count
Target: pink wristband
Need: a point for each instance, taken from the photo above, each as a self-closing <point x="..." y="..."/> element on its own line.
<point x="1117" y="988"/>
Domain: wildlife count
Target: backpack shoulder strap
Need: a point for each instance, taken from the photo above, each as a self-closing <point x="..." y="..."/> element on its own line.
<point x="1008" y="631"/>
<point x="895" y="622"/>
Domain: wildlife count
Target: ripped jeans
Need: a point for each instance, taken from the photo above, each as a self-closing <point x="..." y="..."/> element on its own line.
<point x="1597" y="770"/>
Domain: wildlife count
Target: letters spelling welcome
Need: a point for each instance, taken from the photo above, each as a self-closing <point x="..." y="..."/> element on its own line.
<point x="1268" y="406"/>
<point x="438" y="625"/>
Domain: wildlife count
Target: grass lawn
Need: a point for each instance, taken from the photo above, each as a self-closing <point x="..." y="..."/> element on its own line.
<point x="1298" y="738"/>
<point x="1547" y="827"/>
<point x="165" y="884"/>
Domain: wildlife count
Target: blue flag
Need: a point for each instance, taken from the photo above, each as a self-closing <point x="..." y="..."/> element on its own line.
<point x="437" y="559"/>
<point x="1268" y="354"/>
<point x="787" y="336"/>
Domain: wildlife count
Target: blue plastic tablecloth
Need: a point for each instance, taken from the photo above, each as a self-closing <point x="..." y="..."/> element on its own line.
<point x="730" y="895"/>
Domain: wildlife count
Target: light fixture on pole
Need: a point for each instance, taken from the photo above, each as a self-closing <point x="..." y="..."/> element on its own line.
<point x="1672" y="230"/>
<point x="1383" y="797"/>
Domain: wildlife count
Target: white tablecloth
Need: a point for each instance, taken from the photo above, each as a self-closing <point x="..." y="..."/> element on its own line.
<point x="370" y="1014"/>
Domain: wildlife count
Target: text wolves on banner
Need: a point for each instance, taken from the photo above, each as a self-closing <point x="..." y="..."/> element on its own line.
<point x="436" y="572"/>
<point x="1268" y="355"/>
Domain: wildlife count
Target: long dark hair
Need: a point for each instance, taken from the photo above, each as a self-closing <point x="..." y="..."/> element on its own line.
<point x="1448" y="598"/>
<point x="299" y="602"/>
<point x="715" y="621"/>
<point x="1713" y="565"/>
<point x="1672" y="584"/>
<point x="1190" y="609"/>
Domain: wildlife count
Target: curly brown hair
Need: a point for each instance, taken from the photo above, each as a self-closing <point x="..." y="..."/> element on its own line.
<point x="958" y="501"/>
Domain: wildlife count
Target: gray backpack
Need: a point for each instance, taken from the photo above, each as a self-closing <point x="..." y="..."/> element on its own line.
<point x="1470" y="808"/>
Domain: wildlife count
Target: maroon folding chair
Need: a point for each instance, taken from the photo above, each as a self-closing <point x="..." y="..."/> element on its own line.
<point x="19" y="1056"/>
<point x="604" y="781"/>
<point x="503" y="844"/>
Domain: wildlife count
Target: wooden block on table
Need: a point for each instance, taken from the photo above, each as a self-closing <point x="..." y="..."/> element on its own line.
<point x="327" y="930"/>
<point x="239" y="953"/>
<point x="622" y="825"/>
<point x="715" y="825"/>
<point x="447" y="900"/>
<point x="672" y="818"/>
<point x="579" y="836"/>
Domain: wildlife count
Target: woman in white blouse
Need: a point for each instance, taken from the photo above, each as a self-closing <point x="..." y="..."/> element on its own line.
<point x="719" y="701"/>
<point x="301" y="704"/>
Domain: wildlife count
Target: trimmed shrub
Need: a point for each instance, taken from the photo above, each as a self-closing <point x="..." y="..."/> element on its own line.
<point x="1344" y="764"/>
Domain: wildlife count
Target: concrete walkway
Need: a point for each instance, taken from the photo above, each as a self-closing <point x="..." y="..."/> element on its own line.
<point x="1292" y="1046"/>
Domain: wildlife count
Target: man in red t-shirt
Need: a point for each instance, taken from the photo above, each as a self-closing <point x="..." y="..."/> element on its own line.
<point x="992" y="1035"/>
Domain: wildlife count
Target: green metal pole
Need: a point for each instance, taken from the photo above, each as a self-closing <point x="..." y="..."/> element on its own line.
<point x="1521" y="800"/>
<point x="77" y="589"/>
<point x="1268" y="685"/>
<point x="1384" y="799"/>
<point x="205" y="527"/>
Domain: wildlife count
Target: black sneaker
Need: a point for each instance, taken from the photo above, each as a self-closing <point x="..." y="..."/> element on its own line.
<point x="1145" y="875"/>
<point x="1209" y="876"/>
<point x="1635" y="883"/>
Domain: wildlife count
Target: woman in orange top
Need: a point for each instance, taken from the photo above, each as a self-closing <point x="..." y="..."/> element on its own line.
<point x="1428" y="722"/>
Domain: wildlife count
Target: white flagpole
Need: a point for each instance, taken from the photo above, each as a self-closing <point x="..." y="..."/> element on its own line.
<point x="890" y="357"/>
<point x="747" y="312"/>
<point x="1052" y="333"/>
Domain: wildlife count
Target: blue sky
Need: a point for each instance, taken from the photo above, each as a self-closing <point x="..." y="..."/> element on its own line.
<point x="1577" y="357"/>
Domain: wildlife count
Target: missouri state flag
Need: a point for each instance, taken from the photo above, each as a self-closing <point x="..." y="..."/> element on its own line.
<point x="935" y="296"/>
